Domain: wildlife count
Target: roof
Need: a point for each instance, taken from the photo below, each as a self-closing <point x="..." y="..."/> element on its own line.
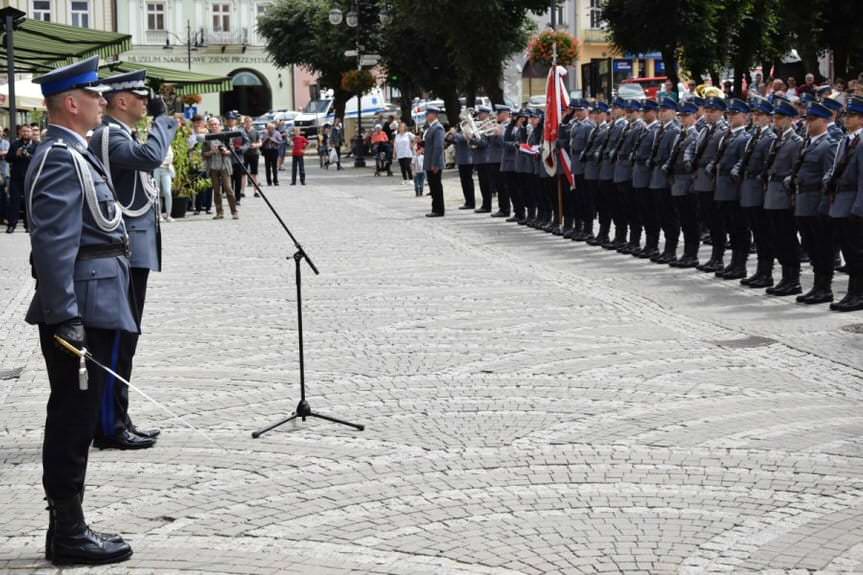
<point x="185" y="82"/>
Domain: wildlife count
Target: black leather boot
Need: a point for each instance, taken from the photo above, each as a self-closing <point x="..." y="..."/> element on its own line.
<point x="763" y="276"/>
<point x="789" y="284"/>
<point x="821" y="291"/>
<point x="71" y="542"/>
<point x="737" y="269"/>
<point x="853" y="300"/>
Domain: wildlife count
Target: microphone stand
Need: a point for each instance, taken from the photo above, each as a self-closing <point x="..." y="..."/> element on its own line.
<point x="303" y="409"/>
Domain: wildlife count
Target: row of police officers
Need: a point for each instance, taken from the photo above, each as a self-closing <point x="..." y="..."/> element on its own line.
<point x="95" y="238"/>
<point x="782" y="178"/>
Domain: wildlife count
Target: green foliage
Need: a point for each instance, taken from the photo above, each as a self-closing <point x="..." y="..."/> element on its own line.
<point x="357" y="81"/>
<point x="547" y="44"/>
<point x="188" y="164"/>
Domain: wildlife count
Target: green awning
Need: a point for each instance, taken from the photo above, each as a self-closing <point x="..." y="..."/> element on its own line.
<point x="186" y="83"/>
<point x="42" y="46"/>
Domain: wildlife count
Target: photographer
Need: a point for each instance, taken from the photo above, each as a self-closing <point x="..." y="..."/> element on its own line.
<point x="18" y="157"/>
<point x="219" y="164"/>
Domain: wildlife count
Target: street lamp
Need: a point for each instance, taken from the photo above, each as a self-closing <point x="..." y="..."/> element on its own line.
<point x="335" y="16"/>
<point x="190" y="42"/>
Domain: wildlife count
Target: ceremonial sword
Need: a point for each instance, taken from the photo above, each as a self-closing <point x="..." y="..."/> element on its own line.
<point x="84" y="354"/>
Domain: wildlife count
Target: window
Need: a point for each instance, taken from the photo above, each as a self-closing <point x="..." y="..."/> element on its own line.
<point x="221" y="17"/>
<point x="42" y="10"/>
<point x="596" y="21"/>
<point x="81" y="13"/>
<point x="155" y="16"/>
<point x="262" y="8"/>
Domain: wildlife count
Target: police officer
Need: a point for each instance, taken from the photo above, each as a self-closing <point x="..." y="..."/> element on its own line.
<point x="611" y="202"/>
<point x="845" y="189"/>
<point x="536" y="201"/>
<point x="483" y="161"/>
<point x="834" y="129"/>
<point x="592" y="158"/>
<point x="79" y="257"/>
<point x="495" y="157"/>
<point x="513" y="160"/>
<point x="660" y="185"/>
<point x="564" y="137"/>
<point x="750" y="172"/>
<point x="434" y="160"/>
<point x="702" y="156"/>
<point x="464" y="161"/>
<point x="580" y="137"/>
<point x="730" y="219"/>
<point x="781" y="158"/>
<point x="130" y="164"/>
<point x="681" y="186"/>
<point x="524" y="208"/>
<point x="642" y="156"/>
<point x="623" y="178"/>
<point x="814" y="163"/>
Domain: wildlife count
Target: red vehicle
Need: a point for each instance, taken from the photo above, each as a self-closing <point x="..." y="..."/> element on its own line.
<point x="652" y="86"/>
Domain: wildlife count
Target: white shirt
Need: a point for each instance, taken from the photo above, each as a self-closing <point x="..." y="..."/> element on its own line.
<point x="404" y="145"/>
<point x="418" y="162"/>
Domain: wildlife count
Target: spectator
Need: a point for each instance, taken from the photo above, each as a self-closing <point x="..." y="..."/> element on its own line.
<point x="164" y="176"/>
<point x="19" y="155"/>
<point x="337" y="138"/>
<point x="204" y="199"/>
<point x="419" y="169"/>
<point x="791" y="85"/>
<point x="253" y="153"/>
<point x="840" y="89"/>
<point x="404" y="143"/>
<point x="4" y="174"/>
<point x="286" y="137"/>
<point x="808" y="87"/>
<point x="381" y="149"/>
<point x="220" y="168"/>
<point x="239" y="145"/>
<point x="668" y="91"/>
<point x="271" y="143"/>
<point x="298" y="160"/>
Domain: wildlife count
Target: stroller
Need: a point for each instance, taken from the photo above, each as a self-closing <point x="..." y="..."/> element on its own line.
<point x="383" y="158"/>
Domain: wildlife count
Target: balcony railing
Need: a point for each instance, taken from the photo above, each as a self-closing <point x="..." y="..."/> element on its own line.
<point x="596" y="36"/>
<point x="231" y="38"/>
<point x="155" y="36"/>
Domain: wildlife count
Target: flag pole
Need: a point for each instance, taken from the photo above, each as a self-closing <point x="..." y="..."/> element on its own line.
<point x="557" y="176"/>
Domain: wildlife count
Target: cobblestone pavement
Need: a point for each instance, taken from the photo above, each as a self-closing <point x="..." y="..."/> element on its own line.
<point x="532" y="406"/>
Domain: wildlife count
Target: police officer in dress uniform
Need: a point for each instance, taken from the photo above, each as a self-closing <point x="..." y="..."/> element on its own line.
<point x="535" y="194"/>
<point x="660" y="185"/>
<point x="564" y="137"/>
<point x="523" y="169"/>
<point x="730" y="219"/>
<point x="434" y="160"/>
<point x="513" y="137"/>
<point x="495" y="157"/>
<point x="845" y="190"/>
<point x="750" y="172"/>
<point x="834" y="129"/>
<point x="592" y="157"/>
<point x="464" y="162"/>
<point x="611" y="203"/>
<point x="579" y="139"/>
<point x="623" y="178"/>
<point x="702" y="155"/>
<point x="80" y="262"/>
<point x="814" y="163"/>
<point x="642" y="155"/>
<point x="483" y="162"/>
<point x="682" y="196"/>
<point x="781" y="159"/>
<point x="130" y="164"/>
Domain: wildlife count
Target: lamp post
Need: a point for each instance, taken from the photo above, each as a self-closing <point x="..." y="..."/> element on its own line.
<point x="189" y="42"/>
<point x="352" y="20"/>
<point x="10" y="16"/>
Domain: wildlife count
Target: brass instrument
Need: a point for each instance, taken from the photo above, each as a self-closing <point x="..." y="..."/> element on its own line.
<point x="474" y="130"/>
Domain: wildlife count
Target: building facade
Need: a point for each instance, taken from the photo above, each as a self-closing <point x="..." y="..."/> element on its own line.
<point x="96" y="14"/>
<point x="217" y="37"/>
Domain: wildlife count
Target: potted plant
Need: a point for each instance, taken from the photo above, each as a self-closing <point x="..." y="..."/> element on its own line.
<point x="357" y="81"/>
<point x="541" y="48"/>
<point x="188" y="167"/>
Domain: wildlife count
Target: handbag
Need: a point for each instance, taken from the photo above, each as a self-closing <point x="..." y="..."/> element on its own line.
<point x="334" y="157"/>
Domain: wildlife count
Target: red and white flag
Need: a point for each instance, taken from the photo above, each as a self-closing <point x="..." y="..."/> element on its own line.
<point x="556" y="105"/>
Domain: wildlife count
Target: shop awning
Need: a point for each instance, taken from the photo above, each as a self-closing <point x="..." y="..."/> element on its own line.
<point x="41" y="46"/>
<point x="185" y="83"/>
<point x="28" y="96"/>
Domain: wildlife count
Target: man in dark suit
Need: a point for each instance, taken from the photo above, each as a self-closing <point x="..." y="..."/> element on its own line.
<point x="19" y="155"/>
<point x="434" y="160"/>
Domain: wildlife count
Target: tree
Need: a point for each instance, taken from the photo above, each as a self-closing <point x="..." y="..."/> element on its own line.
<point x="298" y="33"/>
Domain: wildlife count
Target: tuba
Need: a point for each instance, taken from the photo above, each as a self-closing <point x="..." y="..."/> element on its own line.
<point x="468" y="125"/>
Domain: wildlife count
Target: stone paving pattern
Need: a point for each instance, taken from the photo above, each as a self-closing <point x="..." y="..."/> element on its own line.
<point x="532" y="406"/>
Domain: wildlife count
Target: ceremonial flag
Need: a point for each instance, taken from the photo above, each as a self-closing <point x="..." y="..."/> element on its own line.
<point x="556" y="105"/>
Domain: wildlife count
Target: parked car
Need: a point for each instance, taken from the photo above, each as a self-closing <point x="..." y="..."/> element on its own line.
<point x="631" y="91"/>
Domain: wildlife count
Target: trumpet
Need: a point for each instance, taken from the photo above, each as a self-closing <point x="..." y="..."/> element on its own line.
<point x="472" y="130"/>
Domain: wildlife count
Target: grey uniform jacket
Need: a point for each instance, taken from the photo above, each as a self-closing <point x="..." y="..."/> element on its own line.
<point x="622" y="162"/>
<point x="96" y="290"/>
<point x="509" y="145"/>
<point x="564" y="135"/>
<point x="578" y="143"/>
<point x="706" y="145"/>
<point x="478" y="150"/>
<point x="658" y="177"/>
<point x="596" y="143"/>
<point x="848" y="188"/>
<point x="641" y="156"/>
<point x="835" y="131"/>
<point x="779" y="164"/>
<point x="463" y="153"/>
<point x="729" y="153"/>
<point x="536" y="139"/>
<point x="755" y="158"/>
<point x="816" y="161"/>
<point x="681" y="176"/>
<point x="433" y="141"/>
<point x="127" y="158"/>
<point x="615" y="134"/>
<point x="493" y="148"/>
<point x="523" y="161"/>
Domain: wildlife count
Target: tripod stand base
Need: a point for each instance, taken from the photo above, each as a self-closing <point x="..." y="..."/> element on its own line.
<point x="302" y="412"/>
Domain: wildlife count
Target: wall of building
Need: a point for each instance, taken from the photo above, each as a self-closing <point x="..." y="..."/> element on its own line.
<point x="99" y="13"/>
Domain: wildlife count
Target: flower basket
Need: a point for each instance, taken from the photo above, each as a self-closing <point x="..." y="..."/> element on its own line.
<point x="193" y="99"/>
<point x="540" y="50"/>
<point x="357" y="81"/>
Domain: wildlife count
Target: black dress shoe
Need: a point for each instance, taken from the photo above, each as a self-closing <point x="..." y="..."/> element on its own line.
<point x="556" y="230"/>
<point x="666" y="259"/>
<point x="521" y="221"/>
<point x="647" y="253"/>
<point x="508" y="218"/>
<point x="851" y="302"/>
<point x="598" y="240"/>
<point x="466" y="207"/>
<point x="762" y="281"/>
<point x="482" y="210"/>
<point x="815" y="296"/>
<point x="10" y="229"/>
<point x="567" y="233"/>
<point x="434" y="215"/>
<point x="685" y="262"/>
<point x="499" y="214"/>
<point x="734" y="274"/>
<point x="148" y="433"/>
<point x="72" y="542"/>
<point x="712" y="266"/>
<point x="124" y="440"/>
